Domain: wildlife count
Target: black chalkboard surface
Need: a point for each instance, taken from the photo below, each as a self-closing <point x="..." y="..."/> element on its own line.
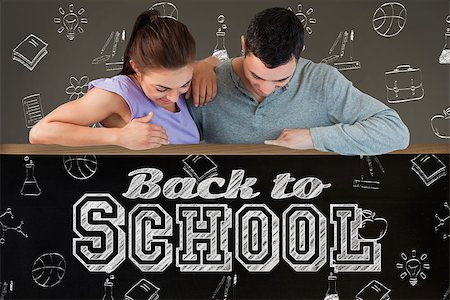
<point x="222" y="227"/>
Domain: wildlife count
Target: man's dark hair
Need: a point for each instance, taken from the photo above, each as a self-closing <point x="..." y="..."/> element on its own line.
<point x="274" y="35"/>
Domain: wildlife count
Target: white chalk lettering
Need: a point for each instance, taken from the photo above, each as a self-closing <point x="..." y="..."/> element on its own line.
<point x="305" y="188"/>
<point x="304" y="238"/>
<point x="351" y="253"/>
<point x="150" y="227"/>
<point x="257" y="238"/>
<point x="203" y="243"/>
<point x="100" y="245"/>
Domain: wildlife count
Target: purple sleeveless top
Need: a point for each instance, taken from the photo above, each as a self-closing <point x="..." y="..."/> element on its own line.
<point x="179" y="126"/>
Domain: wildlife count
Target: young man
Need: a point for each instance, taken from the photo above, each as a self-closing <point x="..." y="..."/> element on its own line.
<point x="272" y="95"/>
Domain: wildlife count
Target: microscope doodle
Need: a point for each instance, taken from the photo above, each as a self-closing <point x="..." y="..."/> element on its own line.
<point x="220" y="51"/>
<point x="338" y="60"/>
<point x="442" y="221"/>
<point x="70" y="21"/>
<point x="6" y="228"/>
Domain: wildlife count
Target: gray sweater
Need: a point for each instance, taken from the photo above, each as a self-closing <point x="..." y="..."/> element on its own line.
<point x="341" y="118"/>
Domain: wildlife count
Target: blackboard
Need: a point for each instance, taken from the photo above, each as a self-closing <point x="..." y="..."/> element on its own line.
<point x="402" y="200"/>
<point x="417" y="38"/>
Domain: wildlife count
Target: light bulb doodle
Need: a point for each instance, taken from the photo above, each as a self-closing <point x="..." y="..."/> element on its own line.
<point x="442" y="221"/>
<point x="70" y="21"/>
<point x="305" y="18"/>
<point x="6" y="228"/>
<point x="166" y="10"/>
<point x="413" y="267"/>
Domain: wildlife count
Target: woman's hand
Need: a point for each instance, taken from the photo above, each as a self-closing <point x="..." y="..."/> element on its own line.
<point x="140" y="135"/>
<point x="204" y="82"/>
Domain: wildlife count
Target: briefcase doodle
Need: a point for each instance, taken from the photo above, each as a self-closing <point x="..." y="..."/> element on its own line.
<point x="404" y="84"/>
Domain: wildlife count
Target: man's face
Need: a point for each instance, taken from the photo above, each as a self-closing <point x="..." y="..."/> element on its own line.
<point x="264" y="81"/>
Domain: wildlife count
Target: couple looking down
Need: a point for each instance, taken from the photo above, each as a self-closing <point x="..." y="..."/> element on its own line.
<point x="268" y="95"/>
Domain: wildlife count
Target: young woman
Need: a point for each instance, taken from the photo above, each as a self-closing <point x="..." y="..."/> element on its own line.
<point x="143" y="107"/>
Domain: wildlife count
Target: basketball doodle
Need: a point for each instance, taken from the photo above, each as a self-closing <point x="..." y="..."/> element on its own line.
<point x="389" y="19"/>
<point x="80" y="167"/>
<point x="48" y="269"/>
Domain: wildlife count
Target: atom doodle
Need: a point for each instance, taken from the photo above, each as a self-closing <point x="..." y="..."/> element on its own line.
<point x="5" y="228"/>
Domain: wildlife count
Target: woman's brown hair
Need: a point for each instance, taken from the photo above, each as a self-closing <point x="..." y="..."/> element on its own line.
<point x="158" y="42"/>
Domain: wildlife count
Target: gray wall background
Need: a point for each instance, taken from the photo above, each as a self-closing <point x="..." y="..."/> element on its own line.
<point x="419" y="44"/>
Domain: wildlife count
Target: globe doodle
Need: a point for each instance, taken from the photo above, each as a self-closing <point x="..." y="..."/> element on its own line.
<point x="389" y="19"/>
<point x="48" y="269"/>
<point x="80" y="167"/>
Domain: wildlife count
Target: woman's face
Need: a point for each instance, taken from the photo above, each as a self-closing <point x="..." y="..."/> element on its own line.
<point x="164" y="86"/>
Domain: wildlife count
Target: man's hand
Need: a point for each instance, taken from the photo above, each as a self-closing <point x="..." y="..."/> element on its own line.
<point x="140" y="135"/>
<point x="204" y="82"/>
<point x="293" y="138"/>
